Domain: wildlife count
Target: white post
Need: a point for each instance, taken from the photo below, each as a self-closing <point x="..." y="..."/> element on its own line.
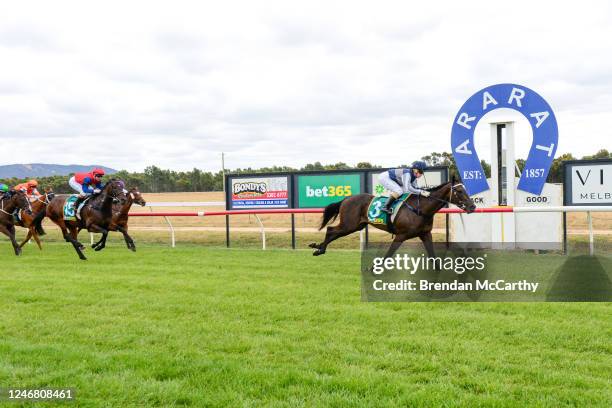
<point x="172" y="236"/>
<point x="591" y="246"/>
<point x="91" y="238"/>
<point x="503" y="227"/>
<point x="362" y="239"/>
<point x="263" y="232"/>
<point x="510" y="162"/>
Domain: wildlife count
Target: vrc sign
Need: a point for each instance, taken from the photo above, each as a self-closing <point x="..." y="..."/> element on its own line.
<point x="543" y="123"/>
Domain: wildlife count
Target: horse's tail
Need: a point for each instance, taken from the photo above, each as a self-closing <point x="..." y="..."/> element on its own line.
<point x="37" y="221"/>
<point x="330" y="213"/>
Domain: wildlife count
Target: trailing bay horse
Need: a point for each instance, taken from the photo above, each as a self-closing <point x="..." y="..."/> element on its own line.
<point x="34" y="222"/>
<point x="96" y="216"/>
<point x="121" y="214"/>
<point x="11" y="201"/>
<point x="353" y="212"/>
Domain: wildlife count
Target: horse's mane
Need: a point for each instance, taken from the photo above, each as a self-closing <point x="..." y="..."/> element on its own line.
<point x="436" y="188"/>
<point x="97" y="199"/>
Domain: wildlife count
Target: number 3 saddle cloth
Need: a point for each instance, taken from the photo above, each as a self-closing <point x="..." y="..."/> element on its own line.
<point x="375" y="213"/>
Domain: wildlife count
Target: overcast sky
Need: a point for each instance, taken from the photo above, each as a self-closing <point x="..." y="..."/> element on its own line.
<point x="129" y="84"/>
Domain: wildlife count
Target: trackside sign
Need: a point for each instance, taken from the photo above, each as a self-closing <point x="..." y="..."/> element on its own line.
<point x="541" y="118"/>
<point x="321" y="190"/>
<point x="259" y="192"/>
<point x="587" y="182"/>
<point x="307" y="189"/>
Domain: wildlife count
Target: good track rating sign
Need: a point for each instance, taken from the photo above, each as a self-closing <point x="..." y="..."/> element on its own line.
<point x="541" y="118"/>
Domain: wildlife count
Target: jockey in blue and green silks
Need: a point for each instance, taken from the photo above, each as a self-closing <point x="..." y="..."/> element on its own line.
<point x="402" y="180"/>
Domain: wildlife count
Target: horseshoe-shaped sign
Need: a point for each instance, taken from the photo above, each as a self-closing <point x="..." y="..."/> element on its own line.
<point x="543" y="123"/>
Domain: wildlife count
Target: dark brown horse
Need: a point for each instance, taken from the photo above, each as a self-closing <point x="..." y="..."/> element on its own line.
<point x="353" y="212"/>
<point x="11" y="201"/>
<point x="96" y="216"/>
<point x="121" y="214"/>
<point x="34" y="222"/>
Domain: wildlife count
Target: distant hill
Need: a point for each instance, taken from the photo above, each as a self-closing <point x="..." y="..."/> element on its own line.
<point x="45" y="170"/>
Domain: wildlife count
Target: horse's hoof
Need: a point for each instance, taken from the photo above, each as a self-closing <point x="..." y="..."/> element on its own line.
<point x="314" y="245"/>
<point x="318" y="252"/>
<point x="133" y="249"/>
<point x="99" y="248"/>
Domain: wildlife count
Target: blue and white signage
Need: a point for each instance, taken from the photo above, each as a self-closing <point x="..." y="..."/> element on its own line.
<point x="543" y="123"/>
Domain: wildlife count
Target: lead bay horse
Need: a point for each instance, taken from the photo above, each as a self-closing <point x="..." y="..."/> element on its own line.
<point x="120" y="217"/>
<point x="96" y="215"/>
<point x="353" y="213"/>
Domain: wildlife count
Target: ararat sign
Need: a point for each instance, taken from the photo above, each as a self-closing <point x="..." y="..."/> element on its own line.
<point x="543" y="123"/>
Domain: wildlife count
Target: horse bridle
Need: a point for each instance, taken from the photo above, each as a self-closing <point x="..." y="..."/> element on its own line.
<point x="450" y="197"/>
<point x="2" y="208"/>
<point x="22" y="209"/>
<point x="46" y="201"/>
<point x="116" y="198"/>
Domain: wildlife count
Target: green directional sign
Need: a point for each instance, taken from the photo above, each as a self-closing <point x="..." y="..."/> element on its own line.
<point x="321" y="190"/>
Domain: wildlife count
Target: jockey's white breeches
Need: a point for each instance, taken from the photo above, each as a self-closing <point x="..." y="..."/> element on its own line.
<point x="395" y="189"/>
<point x="75" y="186"/>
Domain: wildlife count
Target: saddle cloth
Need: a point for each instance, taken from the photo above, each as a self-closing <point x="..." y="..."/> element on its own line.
<point x="375" y="213"/>
<point x="70" y="213"/>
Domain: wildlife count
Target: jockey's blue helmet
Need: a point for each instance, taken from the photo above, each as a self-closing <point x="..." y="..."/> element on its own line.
<point x="419" y="165"/>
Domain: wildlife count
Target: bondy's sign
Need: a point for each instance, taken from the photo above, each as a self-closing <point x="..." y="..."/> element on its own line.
<point x="543" y="123"/>
<point x="259" y="192"/>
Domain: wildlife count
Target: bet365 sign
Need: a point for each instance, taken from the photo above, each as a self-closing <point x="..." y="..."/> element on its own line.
<point x="320" y="190"/>
<point x="543" y="123"/>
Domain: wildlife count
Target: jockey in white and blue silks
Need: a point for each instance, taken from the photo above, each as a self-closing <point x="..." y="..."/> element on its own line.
<point x="403" y="180"/>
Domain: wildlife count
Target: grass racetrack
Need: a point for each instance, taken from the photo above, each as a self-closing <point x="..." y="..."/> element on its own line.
<point x="241" y="327"/>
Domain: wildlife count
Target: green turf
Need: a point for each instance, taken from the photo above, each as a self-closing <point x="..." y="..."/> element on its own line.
<point x="217" y="327"/>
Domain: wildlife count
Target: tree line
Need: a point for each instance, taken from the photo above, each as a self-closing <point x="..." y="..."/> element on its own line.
<point x="156" y="180"/>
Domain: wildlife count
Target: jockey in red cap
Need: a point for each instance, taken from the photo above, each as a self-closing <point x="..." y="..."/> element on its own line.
<point x="87" y="183"/>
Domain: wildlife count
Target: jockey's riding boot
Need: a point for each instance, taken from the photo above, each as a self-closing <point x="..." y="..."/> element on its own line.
<point x="79" y="200"/>
<point x="387" y="208"/>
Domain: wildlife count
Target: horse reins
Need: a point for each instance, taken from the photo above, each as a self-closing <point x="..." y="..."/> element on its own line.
<point x="2" y="207"/>
<point x="8" y="213"/>
<point x="450" y="197"/>
<point x="46" y="202"/>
